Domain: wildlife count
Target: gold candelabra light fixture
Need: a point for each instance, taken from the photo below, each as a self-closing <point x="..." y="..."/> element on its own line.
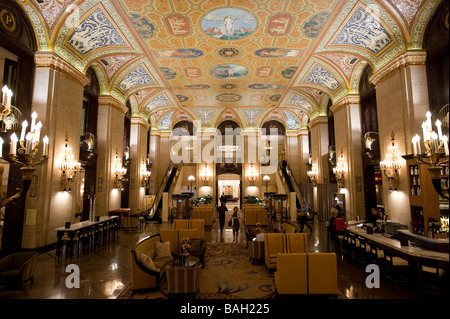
<point x="340" y="170"/>
<point x="145" y="173"/>
<point x="24" y="156"/>
<point x="391" y="164"/>
<point x="266" y="180"/>
<point x="191" y="180"/>
<point x="436" y="152"/>
<point x="313" y="173"/>
<point x="119" y="171"/>
<point x="205" y="176"/>
<point x="252" y="175"/>
<point x="69" y="167"/>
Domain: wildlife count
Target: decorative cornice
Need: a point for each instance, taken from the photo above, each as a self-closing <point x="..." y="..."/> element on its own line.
<point x="140" y="121"/>
<point x="409" y="58"/>
<point x="350" y="99"/>
<point x="53" y="61"/>
<point x="318" y="120"/>
<point x="296" y="133"/>
<point x="106" y="100"/>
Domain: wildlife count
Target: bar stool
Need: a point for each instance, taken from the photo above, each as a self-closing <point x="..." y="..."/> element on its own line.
<point x="376" y="255"/>
<point x="362" y="251"/>
<point x="395" y="268"/>
<point x="433" y="277"/>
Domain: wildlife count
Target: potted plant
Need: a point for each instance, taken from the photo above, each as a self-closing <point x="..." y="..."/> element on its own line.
<point x="250" y="199"/>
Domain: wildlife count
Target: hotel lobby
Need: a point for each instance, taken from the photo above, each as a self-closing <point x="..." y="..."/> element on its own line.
<point x="213" y="150"/>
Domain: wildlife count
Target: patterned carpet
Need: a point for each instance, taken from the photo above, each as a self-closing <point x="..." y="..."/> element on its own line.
<point x="228" y="274"/>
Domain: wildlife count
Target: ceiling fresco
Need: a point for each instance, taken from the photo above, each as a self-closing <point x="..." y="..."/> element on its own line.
<point x="212" y="60"/>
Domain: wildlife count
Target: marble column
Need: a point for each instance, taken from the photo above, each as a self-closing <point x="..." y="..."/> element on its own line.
<point x="110" y="134"/>
<point x="138" y="155"/>
<point x="57" y="100"/>
<point x="402" y="101"/>
<point x="348" y="134"/>
<point x="297" y="153"/>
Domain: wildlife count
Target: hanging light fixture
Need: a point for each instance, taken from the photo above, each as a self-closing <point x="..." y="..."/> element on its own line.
<point x="340" y="170"/>
<point x="119" y="171"/>
<point x="313" y="173"/>
<point x="436" y="152"/>
<point x="24" y="155"/>
<point x="252" y="175"/>
<point x="69" y="167"/>
<point x="205" y="177"/>
<point x="145" y="174"/>
<point x="391" y="165"/>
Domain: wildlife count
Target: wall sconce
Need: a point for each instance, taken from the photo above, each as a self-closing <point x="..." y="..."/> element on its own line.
<point x="145" y="174"/>
<point x="28" y="148"/>
<point x="119" y="171"/>
<point x="191" y="179"/>
<point x="205" y="177"/>
<point x="339" y="170"/>
<point x="68" y="167"/>
<point x="313" y="173"/>
<point x="391" y="164"/>
<point x="252" y="176"/>
<point x="266" y="180"/>
<point x="436" y="152"/>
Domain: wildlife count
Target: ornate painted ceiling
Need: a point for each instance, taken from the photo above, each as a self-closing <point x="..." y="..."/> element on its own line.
<point x="211" y="60"/>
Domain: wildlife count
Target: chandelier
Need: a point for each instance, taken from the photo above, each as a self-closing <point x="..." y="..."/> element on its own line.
<point x="69" y="167"/>
<point x="145" y="173"/>
<point x="391" y="165"/>
<point x="339" y="170"/>
<point x="436" y="152"/>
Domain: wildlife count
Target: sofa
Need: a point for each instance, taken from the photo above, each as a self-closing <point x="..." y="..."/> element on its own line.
<point x="18" y="268"/>
<point x="147" y="268"/>
<point x="253" y="215"/>
<point x="205" y="212"/>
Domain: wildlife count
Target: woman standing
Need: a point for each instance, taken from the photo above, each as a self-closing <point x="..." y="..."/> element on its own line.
<point x="236" y="224"/>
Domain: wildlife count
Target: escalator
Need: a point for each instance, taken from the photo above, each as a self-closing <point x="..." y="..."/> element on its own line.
<point x="154" y="212"/>
<point x="291" y="184"/>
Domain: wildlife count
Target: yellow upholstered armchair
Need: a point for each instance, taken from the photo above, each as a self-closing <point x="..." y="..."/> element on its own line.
<point x="170" y="235"/>
<point x="180" y="224"/>
<point x="274" y="244"/>
<point x="146" y="269"/>
<point x="296" y="243"/>
<point x="18" y="268"/>
<point x="198" y="224"/>
<point x="291" y="276"/>
<point x="322" y="274"/>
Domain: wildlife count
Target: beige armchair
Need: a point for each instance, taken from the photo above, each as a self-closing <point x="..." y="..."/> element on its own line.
<point x="18" y="268"/>
<point x="296" y="243"/>
<point x="322" y="274"/>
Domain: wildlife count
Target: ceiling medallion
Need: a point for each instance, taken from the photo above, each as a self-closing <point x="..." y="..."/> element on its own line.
<point x="229" y="52"/>
<point x="229" y="86"/>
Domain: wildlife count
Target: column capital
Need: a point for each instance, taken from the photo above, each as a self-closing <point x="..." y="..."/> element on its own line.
<point x="297" y="133"/>
<point x="140" y="121"/>
<point x="350" y="99"/>
<point x="106" y="100"/>
<point x="403" y="61"/>
<point x="318" y="120"/>
<point x="53" y="61"/>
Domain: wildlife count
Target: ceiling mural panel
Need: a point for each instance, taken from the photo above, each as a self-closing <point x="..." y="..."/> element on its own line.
<point x="249" y="60"/>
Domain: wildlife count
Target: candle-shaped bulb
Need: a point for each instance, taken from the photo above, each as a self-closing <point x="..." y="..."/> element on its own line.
<point x="24" y="129"/>
<point x="5" y="93"/>
<point x="9" y="95"/>
<point x="13" y="148"/>
<point x="45" y="149"/>
<point x="28" y="143"/>
<point x="37" y="135"/>
<point x="1" y="147"/>
<point x="439" y="129"/>
<point x="445" y="140"/>
<point x="33" y="121"/>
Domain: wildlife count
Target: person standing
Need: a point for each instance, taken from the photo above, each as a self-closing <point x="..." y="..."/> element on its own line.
<point x="303" y="217"/>
<point x="222" y="209"/>
<point x="236" y="224"/>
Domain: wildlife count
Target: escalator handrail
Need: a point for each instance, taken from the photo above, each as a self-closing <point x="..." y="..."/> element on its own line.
<point x="293" y="182"/>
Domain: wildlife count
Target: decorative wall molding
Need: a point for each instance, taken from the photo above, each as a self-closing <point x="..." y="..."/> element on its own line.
<point x="140" y="121"/>
<point x="318" y="120"/>
<point x="106" y="100"/>
<point x="350" y="99"/>
<point x="53" y="61"/>
<point x="407" y="59"/>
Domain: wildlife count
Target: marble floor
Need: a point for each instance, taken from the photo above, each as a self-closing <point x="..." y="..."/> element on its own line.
<point x="105" y="273"/>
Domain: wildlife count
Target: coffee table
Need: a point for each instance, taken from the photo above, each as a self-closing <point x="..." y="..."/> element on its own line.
<point x="193" y="260"/>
